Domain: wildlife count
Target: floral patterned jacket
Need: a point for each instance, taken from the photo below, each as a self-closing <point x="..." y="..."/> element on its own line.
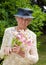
<point x="7" y="40"/>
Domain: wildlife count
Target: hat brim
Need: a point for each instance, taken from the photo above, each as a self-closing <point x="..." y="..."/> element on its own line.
<point x="24" y="16"/>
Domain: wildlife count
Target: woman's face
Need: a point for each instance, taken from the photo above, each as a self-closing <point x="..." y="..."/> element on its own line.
<point x="23" y="22"/>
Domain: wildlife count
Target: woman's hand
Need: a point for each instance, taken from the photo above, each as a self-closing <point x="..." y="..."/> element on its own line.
<point x="7" y="50"/>
<point x="16" y="49"/>
<point x="21" y="53"/>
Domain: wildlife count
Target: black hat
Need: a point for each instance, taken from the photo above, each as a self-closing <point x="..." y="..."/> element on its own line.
<point x="24" y="13"/>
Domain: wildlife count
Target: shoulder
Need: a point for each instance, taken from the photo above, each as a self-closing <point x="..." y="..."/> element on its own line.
<point x="32" y="33"/>
<point x="9" y="29"/>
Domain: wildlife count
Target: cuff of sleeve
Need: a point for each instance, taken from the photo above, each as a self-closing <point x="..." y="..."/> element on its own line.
<point x="32" y="58"/>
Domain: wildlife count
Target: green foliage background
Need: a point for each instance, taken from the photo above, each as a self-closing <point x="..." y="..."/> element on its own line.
<point x="9" y="7"/>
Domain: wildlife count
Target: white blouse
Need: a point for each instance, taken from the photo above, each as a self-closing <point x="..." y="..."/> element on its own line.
<point x="7" y="40"/>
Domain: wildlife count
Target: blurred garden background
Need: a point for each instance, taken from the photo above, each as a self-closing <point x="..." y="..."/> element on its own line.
<point x="38" y="25"/>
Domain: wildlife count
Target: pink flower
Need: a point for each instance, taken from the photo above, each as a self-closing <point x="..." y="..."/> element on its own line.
<point x="23" y="39"/>
<point x="26" y="42"/>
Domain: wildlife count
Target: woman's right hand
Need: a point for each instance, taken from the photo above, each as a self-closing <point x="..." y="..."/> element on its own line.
<point x="7" y="50"/>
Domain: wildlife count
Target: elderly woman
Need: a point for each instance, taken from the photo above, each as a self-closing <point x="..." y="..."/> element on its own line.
<point x="19" y="44"/>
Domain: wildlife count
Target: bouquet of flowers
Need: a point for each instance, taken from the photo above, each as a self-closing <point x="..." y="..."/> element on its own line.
<point x="22" y="41"/>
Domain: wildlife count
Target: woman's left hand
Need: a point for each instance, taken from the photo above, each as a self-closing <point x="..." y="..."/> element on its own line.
<point x="21" y="53"/>
<point x="16" y="49"/>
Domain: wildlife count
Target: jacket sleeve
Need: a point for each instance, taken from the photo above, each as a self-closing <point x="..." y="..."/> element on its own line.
<point x="33" y="55"/>
<point x="5" y="42"/>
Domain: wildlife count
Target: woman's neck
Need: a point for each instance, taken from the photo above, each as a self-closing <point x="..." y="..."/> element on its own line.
<point x="21" y="28"/>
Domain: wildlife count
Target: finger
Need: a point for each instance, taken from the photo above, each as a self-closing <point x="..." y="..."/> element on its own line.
<point x="15" y="48"/>
<point x="21" y="53"/>
<point x="15" y="45"/>
<point x="16" y="51"/>
<point x="10" y="50"/>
